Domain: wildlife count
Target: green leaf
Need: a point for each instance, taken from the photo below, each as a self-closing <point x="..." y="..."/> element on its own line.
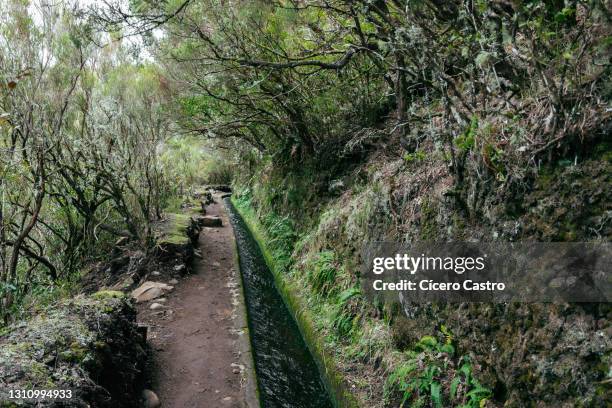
<point x="427" y="342"/>
<point x="349" y="293"/>
<point x="453" y="387"/>
<point x="448" y="348"/>
<point x="466" y="370"/>
<point x="436" y="398"/>
<point x="479" y="392"/>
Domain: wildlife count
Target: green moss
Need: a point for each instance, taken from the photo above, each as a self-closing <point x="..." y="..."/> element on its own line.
<point x="429" y="227"/>
<point x="175" y="230"/>
<point x="79" y="352"/>
<point x="20" y="355"/>
<point x="296" y="303"/>
<point x="39" y="375"/>
<point x="175" y="240"/>
<point x="59" y="331"/>
<point x="108" y="294"/>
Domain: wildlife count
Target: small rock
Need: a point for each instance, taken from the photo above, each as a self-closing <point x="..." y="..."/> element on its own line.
<point x="156" y="306"/>
<point x="173" y="281"/>
<point x="155" y="273"/>
<point x="161" y="300"/>
<point x="179" y="268"/>
<point x="148" y="294"/>
<point x="216" y="264"/>
<point x="150" y="290"/>
<point x="150" y="399"/>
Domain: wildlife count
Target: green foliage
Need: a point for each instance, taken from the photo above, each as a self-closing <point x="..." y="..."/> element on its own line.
<point x="346" y="320"/>
<point x="196" y="105"/>
<point x="218" y="171"/>
<point x="88" y="167"/>
<point x="280" y="231"/>
<point x="187" y="163"/>
<point x="415" y="157"/>
<point x="418" y="380"/>
<point x="466" y="141"/>
<point x="322" y="273"/>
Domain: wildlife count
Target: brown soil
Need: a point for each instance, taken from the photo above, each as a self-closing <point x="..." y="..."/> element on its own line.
<point x="197" y="347"/>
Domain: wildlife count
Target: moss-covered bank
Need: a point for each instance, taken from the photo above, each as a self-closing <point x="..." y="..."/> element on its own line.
<point x="333" y="379"/>
<point x="88" y="344"/>
<point x="241" y="323"/>
<point x="440" y="354"/>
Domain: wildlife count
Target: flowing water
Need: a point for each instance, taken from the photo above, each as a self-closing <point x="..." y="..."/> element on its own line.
<point x="287" y="375"/>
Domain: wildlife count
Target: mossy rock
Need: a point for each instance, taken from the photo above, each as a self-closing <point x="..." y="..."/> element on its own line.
<point x="176" y="229"/>
<point x="177" y="236"/>
<point x="88" y="344"/>
<point x="106" y="294"/>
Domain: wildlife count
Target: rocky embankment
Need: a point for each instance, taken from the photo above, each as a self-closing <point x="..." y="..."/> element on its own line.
<point x="88" y="345"/>
<point x="91" y="344"/>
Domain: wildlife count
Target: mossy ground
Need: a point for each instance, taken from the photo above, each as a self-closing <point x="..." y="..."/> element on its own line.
<point x="296" y="304"/>
<point x="354" y="347"/>
<point x="76" y="344"/>
<point x="174" y="229"/>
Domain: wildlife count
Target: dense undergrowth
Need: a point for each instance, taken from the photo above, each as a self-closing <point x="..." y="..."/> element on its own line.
<point x="358" y="335"/>
<point x="440" y="355"/>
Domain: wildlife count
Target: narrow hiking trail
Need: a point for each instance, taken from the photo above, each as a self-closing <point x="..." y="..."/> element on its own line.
<point x="199" y="342"/>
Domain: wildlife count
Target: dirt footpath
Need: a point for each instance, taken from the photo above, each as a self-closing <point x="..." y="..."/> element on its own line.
<point x="199" y="337"/>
